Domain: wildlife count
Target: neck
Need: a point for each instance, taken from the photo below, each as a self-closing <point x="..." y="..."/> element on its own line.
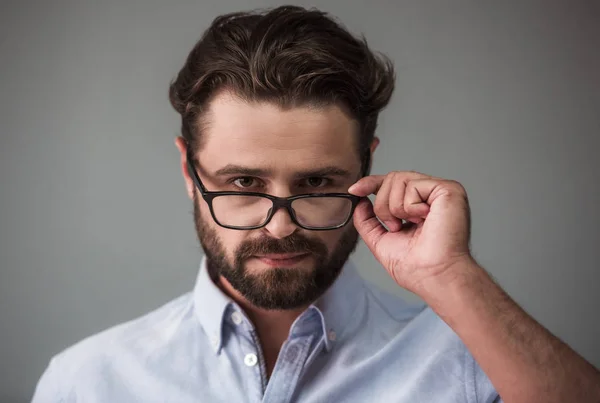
<point x="272" y="326"/>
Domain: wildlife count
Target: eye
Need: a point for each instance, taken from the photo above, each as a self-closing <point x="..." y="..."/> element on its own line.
<point x="317" y="182"/>
<point x="244" y="182"/>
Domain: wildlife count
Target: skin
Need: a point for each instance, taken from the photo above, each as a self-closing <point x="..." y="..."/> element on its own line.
<point x="428" y="256"/>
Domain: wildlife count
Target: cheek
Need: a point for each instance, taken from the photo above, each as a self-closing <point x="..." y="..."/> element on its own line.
<point x="330" y="239"/>
<point x="226" y="240"/>
<point x="230" y="239"/>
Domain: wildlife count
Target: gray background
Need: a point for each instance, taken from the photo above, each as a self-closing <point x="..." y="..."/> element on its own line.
<point x="95" y="224"/>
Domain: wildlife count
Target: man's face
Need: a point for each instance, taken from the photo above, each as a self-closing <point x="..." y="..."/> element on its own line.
<point x="261" y="148"/>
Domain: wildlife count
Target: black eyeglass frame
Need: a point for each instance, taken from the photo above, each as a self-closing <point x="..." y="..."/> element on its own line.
<point x="278" y="202"/>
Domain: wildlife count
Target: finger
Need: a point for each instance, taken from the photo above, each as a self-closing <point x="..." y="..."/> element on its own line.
<point x="396" y="198"/>
<point x="371" y="184"/>
<point x="417" y="196"/>
<point x="398" y="192"/>
<point x="367" y="224"/>
<point x="383" y="204"/>
<point x="367" y="185"/>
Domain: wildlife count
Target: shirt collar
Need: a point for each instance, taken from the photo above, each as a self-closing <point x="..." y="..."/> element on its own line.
<point x="335" y="307"/>
<point x="339" y="303"/>
<point x="210" y="304"/>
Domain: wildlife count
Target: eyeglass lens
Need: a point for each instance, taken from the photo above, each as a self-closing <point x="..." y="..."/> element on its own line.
<point x="249" y="211"/>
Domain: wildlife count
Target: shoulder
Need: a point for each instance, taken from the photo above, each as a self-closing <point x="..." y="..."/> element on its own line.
<point x="411" y="322"/>
<point x="129" y="342"/>
<point x="140" y="334"/>
<point x="388" y="308"/>
<point x="416" y="331"/>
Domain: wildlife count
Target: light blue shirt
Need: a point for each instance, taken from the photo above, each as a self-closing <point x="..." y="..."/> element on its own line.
<point x="357" y="343"/>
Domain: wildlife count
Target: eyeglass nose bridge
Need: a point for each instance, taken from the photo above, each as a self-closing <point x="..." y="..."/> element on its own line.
<point x="282" y="203"/>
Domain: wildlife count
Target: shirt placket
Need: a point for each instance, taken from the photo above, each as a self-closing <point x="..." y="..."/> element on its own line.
<point x="304" y="337"/>
<point x="287" y="371"/>
<point x="252" y="357"/>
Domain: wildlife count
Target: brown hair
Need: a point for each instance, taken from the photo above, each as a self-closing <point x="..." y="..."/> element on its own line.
<point x="289" y="56"/>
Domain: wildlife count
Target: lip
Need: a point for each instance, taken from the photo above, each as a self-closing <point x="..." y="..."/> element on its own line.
<point x="282" y="259"/>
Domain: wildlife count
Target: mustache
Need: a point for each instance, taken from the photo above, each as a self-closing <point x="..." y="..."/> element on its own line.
<point x="295" y="243"/>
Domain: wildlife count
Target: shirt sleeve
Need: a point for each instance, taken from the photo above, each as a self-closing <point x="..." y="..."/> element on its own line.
<point x="478" y="384"/>
<point x="47" y="389"/>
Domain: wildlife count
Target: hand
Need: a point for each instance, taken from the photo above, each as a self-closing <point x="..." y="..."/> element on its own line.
<point x="435" y="239"/>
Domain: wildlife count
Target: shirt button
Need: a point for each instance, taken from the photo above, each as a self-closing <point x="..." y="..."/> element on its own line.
<point x="250" y="360"/>
<point x="291" y="353"/>
<point x="236" y="317"/>
<point x="215" y="342"/>
<point x="332" y="335"/>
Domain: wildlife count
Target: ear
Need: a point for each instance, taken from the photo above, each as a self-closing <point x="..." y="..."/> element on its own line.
<point x="374" y="145"/>
<point x="181" y="145"/>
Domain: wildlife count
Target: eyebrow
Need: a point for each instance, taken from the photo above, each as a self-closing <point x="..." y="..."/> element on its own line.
<point x="232" y="169"/>
<point x="325" y="171"/>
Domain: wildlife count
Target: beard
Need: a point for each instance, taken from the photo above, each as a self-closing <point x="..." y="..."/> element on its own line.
<point x="278" y="288"/>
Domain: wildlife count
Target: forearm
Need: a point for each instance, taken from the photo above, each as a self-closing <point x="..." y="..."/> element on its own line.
<point x="524" y="361"/>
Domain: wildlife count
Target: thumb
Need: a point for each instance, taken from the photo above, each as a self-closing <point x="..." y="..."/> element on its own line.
<point x="367" y="224"/>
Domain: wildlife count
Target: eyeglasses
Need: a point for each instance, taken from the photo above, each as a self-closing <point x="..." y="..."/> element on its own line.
<point x="252" y="210"/>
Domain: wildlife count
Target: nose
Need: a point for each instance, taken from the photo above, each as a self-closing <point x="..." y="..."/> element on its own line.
<point x="281" y="224"/>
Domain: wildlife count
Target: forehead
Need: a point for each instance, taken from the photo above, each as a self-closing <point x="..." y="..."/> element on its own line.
<point x="239" y="132"/>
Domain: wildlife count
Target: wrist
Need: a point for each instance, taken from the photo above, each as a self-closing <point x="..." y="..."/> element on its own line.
<point x="460" y="279"/>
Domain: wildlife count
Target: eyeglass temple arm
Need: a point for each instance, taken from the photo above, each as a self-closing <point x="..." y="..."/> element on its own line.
<point x="192" y="170"/>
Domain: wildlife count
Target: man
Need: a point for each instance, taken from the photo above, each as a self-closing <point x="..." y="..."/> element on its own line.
<point x="279" y="111"/>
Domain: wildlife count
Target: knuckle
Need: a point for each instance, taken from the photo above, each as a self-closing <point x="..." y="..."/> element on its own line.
<point x="397" y="209"/>
<point x="457" y="186"/>
<point x="397" y="175"/>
